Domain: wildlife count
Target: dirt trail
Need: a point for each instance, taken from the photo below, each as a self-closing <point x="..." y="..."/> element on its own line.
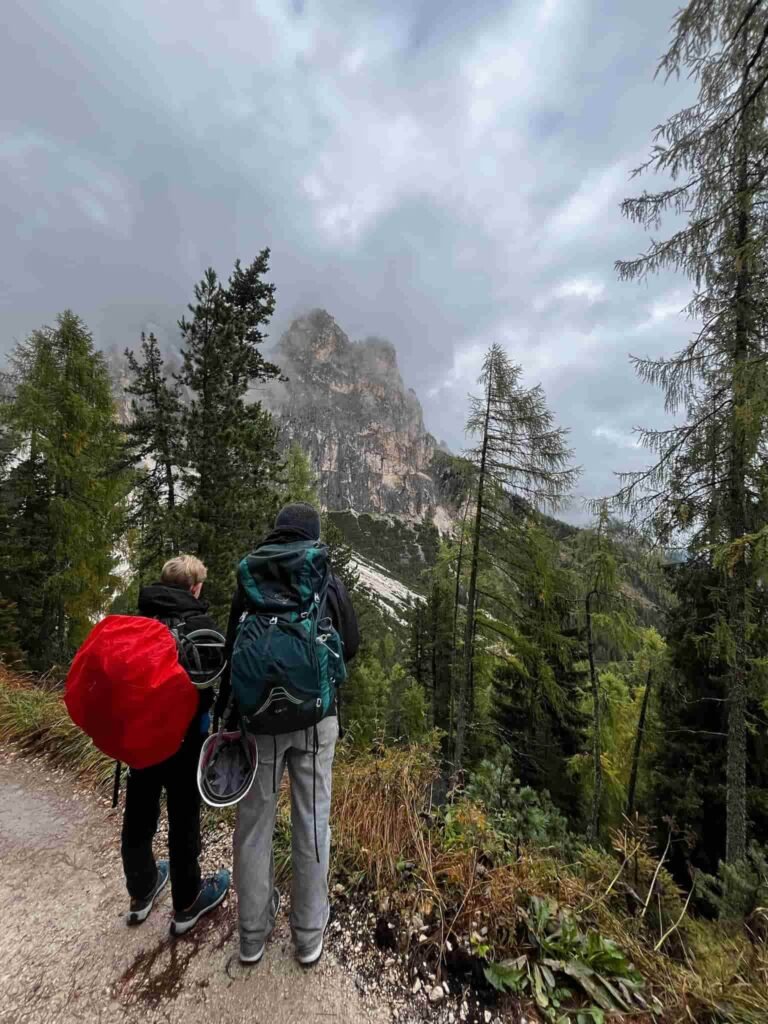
<point x="67" y="956"/>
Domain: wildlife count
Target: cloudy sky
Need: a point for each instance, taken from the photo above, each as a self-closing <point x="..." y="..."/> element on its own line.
<point x="441" y="174"/>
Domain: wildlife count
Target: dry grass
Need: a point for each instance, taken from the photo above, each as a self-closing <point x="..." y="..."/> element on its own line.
<point x="385" y="832"/>
<point x="702" y="972"/>
<point x="34" y="717"/>
<point x="377" y="812"/>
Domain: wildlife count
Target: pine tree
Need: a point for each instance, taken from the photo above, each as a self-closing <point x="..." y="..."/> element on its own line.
<point x="538" y="685"/>
<point x="300" y="483"/>
<point x="608" y="620"/>
<point x="62" y="494"/>
<point x="638" y="745"/>
<point x="520" y="455"/>
<point x="430" y="647"/>
<point x="231" y="458"/>
<point x="439" y="613"/>
<point x="693" y="695"/>
<point x="155" y="446"/>
<point x="418" y="645"/>
<point x="340" y="554"/>
<point x="10" y="495"/>
<point x="707" y="481"/>
<point x="10" y="639"/>
<point x="367" y="694"/>
<point x="459" y="574"/>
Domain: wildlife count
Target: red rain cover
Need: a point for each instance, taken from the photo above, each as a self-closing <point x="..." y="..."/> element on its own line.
<point x="128" y="692"/>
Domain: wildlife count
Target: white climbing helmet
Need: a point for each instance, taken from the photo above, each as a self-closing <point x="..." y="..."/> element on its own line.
<point x="227" y="767"/>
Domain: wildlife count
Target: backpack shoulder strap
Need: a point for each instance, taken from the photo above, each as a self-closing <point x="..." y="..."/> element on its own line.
<point x="174" y="621"/>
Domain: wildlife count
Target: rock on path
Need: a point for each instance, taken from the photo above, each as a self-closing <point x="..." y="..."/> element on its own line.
<point x="66" y="955"/>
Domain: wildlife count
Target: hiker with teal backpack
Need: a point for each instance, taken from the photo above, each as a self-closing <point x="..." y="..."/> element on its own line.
<point x="292" y="630"/>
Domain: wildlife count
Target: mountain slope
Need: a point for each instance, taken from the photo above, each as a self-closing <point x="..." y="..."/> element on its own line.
<point x="388" y="594"/>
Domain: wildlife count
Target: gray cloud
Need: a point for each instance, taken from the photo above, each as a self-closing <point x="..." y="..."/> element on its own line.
<point x="441" y="175"/>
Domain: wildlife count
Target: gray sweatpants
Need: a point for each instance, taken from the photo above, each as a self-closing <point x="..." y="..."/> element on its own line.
<point x="253" y="858"/>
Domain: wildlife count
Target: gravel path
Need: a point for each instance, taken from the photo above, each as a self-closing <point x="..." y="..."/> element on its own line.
<point x="67" y="956"/>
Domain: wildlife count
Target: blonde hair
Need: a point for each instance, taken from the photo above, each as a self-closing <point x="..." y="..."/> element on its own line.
<point x="183" y="571"/>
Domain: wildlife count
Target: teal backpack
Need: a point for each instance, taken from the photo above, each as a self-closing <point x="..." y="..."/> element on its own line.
<point x="288" y="658"/>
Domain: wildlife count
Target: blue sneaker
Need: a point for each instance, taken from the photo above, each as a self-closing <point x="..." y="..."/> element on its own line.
<point x="212" y="892"/>
<point x="140" y="909"/>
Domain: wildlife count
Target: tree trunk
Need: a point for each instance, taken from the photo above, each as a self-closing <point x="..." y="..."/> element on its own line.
<point x="597" y="795"/>
<point x="737" y="583"/>
<point x="639" y="737"/>
<point x="465" y="685"/>
<point x="454" y="645"/>
<point x="171" y="487"/>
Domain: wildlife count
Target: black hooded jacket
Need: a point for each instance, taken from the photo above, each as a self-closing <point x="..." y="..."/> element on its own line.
<point x="338" y="607"/>
<point x="168" y="604"/>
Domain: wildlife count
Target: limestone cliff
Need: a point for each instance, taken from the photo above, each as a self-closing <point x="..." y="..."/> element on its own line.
<point x="346" y="405"/>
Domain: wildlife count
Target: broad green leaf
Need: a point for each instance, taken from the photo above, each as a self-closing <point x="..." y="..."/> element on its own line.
<point x="624" y="1004"/>
<point x="539" y="990"/>
<point x="548" y="976"/>
<point x="596" y="992"/>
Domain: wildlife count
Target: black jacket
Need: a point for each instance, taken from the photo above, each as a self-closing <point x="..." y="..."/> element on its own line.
<point x="338" y="607"/>
<point x="165" y="603"/>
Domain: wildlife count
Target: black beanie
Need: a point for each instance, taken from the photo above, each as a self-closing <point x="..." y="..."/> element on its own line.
<point x="299" y="516"/>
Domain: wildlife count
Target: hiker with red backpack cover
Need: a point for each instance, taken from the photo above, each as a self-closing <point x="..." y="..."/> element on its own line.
<point x="130" y="688"/>
<point x="292" y="630"/>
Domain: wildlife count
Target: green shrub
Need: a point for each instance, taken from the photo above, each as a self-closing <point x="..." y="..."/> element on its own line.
<point x="518" y="812"/>
<point x="738" y="890"/>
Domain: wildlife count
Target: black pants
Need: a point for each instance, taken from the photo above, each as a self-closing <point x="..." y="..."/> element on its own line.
<point x="178" y="777"/>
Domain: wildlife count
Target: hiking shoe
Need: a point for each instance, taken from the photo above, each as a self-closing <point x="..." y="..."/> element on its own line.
<point x="251" y="956"/>
<point x="213" y="891"/>
<point x="140" y="909"/>
<point x="309" y="957"/>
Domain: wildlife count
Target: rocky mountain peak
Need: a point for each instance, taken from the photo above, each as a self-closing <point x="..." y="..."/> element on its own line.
<point x="314" y="337"/>
<point x="346" y="404"/>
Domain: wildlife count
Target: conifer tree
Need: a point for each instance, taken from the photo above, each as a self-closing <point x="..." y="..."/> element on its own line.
<point x="10" y="650"/>
<point x="707" y="481"/>
<point x="520" y="455"/>
<point x="418" y="644"/>
<point x="651" y="662"/>
<point x="609" y="621"/>
<point x="231" y="458"/>
<point x="340" y="554"/>
<point x="695" y="722"/>
<point x="155" y="444"/>
<point x="430" y="646"/>
<point x="538" y="684"/>
<point x="440" y="623"/>
<point x="62" y="494"/>
<point x="300" y="483"/>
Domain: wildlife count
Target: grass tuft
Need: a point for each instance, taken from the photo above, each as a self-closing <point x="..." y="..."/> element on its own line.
<point x="35" y="719"/>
